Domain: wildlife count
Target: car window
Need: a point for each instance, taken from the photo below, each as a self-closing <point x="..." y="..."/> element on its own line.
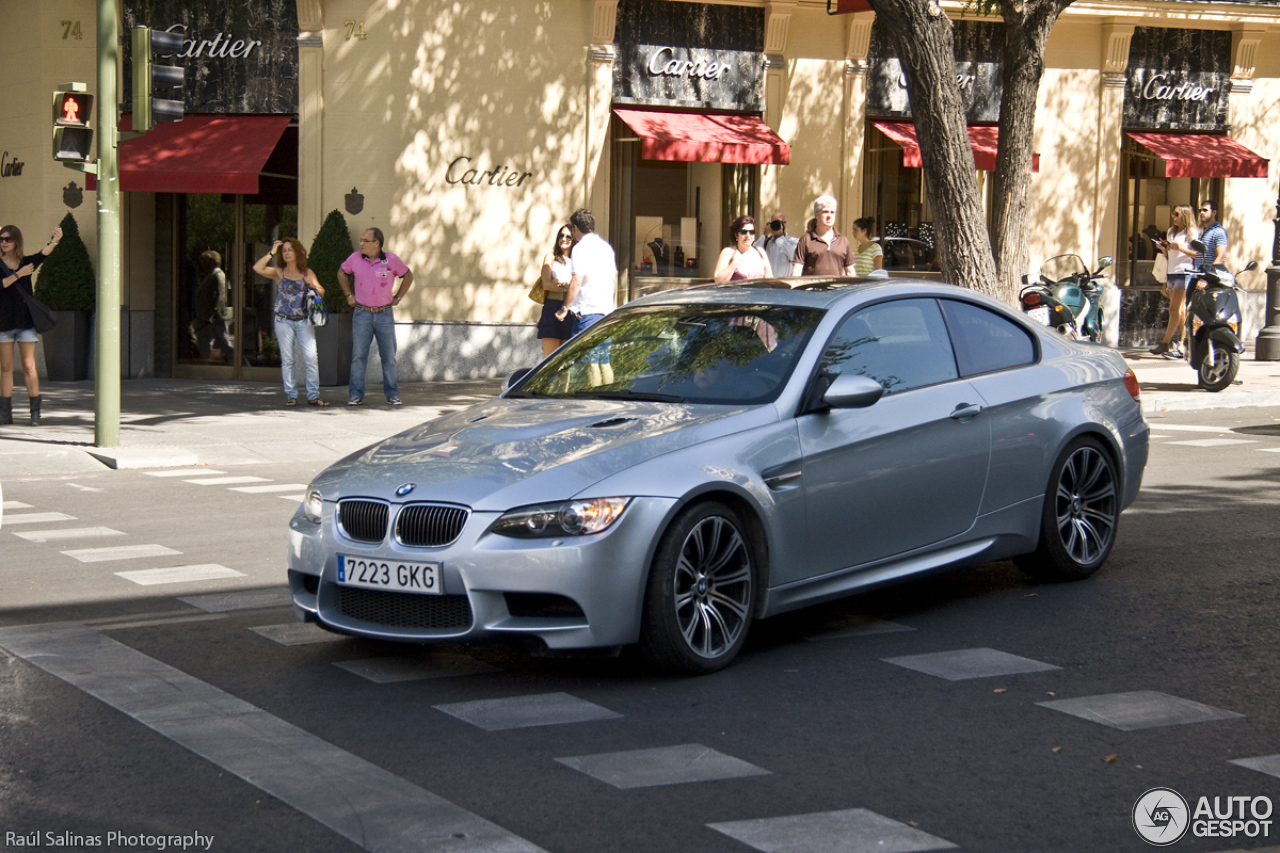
<point x="984" y="341"/>
<point x="730" y="354"/>
<point x="902" y="344"/>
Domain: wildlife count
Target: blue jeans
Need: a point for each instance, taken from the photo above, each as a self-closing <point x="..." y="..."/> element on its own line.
<point x="365" y="326"/>
<point x="300" y="331"/>
<point x="599" y="354"/>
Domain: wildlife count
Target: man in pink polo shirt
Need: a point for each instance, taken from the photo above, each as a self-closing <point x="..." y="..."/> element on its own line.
<point x="375" y="294"/>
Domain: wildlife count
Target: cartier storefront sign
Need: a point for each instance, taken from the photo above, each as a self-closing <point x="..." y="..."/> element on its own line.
<point x="239" y="57"/>
<point x="1178" y="79"/>
<point x="978" y="50"/>
<point x="689" y="55"/>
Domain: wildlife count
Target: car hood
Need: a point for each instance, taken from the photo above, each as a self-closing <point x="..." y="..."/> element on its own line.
<point x="505" y="453"/>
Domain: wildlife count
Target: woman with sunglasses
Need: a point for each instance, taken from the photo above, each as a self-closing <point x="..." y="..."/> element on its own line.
<point x="742" y="261"/>
<point x="556" y="273"/>
<point x="16" y="325"/>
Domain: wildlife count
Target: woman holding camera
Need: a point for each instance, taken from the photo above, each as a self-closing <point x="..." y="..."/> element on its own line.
<point x="1177" y="248"/>
<point x="294" y="281"/>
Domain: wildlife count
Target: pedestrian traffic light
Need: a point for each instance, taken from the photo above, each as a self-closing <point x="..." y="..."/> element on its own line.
<point x="72" y="123"/>
<point x="157" y="78"/>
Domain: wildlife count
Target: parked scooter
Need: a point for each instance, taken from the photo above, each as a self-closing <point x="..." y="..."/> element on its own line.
<point x="1068" y="297"/>
<point x="1213" y="325"/>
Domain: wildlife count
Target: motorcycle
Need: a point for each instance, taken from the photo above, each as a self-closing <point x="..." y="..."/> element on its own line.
<point x="1213" y="325"/>
<point x="1067" y="298"/>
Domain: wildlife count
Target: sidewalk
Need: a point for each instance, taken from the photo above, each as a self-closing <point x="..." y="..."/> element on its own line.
<point x="172" y="423"/>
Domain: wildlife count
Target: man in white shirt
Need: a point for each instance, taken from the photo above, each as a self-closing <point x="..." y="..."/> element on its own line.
<point x="592" y="291"/>
<point x="779" y="245"/>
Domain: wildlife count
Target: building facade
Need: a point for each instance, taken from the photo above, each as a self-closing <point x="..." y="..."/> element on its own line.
<point x="468" y="132"/>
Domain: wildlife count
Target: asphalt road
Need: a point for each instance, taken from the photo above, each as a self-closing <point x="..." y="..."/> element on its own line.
<point x="200" y="707"/>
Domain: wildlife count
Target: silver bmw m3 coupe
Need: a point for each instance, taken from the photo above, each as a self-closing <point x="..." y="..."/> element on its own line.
<point x="703" y="458"/>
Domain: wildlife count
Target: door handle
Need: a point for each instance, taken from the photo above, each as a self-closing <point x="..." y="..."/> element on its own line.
<point x="965" y="411"/>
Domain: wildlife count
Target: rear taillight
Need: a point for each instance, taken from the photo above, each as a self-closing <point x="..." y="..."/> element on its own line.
<point x="1031" y="299"/>
<point x="1131" y="383"/>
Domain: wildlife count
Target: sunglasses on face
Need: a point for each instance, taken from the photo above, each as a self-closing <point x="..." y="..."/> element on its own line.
<point x="5" y="238"/>
<point x="747" y="231"/>
<point x="566" y="236"/>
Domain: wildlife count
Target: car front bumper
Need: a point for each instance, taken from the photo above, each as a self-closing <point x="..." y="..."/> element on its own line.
<point x="569" y="592"/>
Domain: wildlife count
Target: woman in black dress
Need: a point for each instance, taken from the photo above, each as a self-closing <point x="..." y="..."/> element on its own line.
<point x="16" y="325"/>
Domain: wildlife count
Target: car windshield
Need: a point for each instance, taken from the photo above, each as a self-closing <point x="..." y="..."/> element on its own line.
<point x="729" y="354"/>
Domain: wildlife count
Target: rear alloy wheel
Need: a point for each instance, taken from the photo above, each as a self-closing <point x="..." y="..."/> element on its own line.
<point x="1221" y="372"/>
<point x="701" y="592"/>
<point x="1081" y="513"/>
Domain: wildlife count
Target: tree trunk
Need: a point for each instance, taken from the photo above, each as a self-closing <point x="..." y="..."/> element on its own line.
<point x="927" y="53"/>
<point x="1026" y="29"/>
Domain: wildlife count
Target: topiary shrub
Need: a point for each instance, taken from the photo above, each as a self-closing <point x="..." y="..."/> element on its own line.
<point x="65" y="281"/>
<point x="329" y="249"/>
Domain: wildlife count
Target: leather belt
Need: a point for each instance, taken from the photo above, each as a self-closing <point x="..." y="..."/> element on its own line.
<point x="373" y="309"/>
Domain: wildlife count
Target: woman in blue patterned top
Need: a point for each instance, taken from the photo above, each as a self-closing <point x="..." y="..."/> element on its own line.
<point x="293" y="281"/>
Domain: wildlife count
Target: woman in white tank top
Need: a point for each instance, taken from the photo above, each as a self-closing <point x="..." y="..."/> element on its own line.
<point x="741" y="261"/>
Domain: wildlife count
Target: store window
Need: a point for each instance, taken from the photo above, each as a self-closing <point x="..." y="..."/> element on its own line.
<point x="687" y="139"/>
<point x="893" y="186"/>
<point x="1177" y="149"/>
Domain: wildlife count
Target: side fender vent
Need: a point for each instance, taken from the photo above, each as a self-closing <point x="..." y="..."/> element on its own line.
<point x="611" y="422"/>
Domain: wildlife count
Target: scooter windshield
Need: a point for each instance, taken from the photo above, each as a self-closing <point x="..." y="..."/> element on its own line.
<point x="1063" y="266"/>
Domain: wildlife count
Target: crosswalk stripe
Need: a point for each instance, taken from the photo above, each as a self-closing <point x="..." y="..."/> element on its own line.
<point x="360" y="801"/>
<point x="37" y="518"/>
<point x="1213" y="442"/>
<point x="181" y="472"/>
<point x="14" y="505"/>
<point x="227" y="481"/>
<point x="294" y="498"/>
<point x="277" y="487"/>
<point x="66" y="533"/>
<point x="122" y="552"/>
<point x="180" y="574"/>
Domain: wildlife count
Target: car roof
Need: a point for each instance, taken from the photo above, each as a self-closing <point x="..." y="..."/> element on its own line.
<point x="814" y="292"/>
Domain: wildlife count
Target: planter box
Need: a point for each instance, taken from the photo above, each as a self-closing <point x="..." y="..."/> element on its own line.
<point x="333" y="350"/>
<point x="66" y="346"/>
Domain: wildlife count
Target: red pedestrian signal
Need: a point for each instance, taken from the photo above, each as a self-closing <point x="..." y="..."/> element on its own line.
<point x="72" y="109"/>
<point x="72" y="119"/>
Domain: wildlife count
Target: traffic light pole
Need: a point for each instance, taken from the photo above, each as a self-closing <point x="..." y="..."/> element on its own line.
<point x="106" y="431"/>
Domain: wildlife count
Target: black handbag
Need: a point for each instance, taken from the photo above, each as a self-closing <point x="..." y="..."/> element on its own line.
<point x="41" y="317"/>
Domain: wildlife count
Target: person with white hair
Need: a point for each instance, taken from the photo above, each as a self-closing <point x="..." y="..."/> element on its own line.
<point x="823" y="250"/>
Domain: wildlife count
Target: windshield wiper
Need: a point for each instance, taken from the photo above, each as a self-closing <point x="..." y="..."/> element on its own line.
<point x="646" y="396"/>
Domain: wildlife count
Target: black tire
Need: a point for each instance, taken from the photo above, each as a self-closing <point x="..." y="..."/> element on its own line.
<point x="701" y="592"/>
<point x="1080" y="517"/>
<point x="1222" y="371"/>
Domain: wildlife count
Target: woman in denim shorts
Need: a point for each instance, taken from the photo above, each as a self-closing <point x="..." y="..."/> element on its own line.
<point x="16" y="325"/>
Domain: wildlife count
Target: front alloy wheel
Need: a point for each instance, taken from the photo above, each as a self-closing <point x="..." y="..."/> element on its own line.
<point x="1081" y="513"/>
<point x="701" y="592"/>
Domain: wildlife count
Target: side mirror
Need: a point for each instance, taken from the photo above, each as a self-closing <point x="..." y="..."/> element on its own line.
<point x="1198" y="245"/>
<point x="514" y="377"/>
<point x="853" y="392"/>
<point x="1026" y="279"/>
<point x="1253" y="265"/>
<point x="1105" y="261"/>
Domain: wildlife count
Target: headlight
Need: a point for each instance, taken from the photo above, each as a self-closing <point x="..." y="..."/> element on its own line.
<point x="313" y="504"/>
<point x="571" y="518"/>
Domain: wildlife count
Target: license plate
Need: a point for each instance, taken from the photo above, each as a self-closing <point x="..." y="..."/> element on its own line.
<point x="1040" y="314"/>
<point x="389" y="574"/>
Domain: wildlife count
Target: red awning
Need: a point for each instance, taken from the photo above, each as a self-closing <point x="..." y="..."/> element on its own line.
<point x="982" y="138"/>
<point x="200" y="154"/>
<point x="1202" y="155"/>
<point x="705" y="138"/>
<point x="846" y="7"/>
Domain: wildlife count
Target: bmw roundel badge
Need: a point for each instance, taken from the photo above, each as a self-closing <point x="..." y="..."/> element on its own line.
<point x="405" y="489"/>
